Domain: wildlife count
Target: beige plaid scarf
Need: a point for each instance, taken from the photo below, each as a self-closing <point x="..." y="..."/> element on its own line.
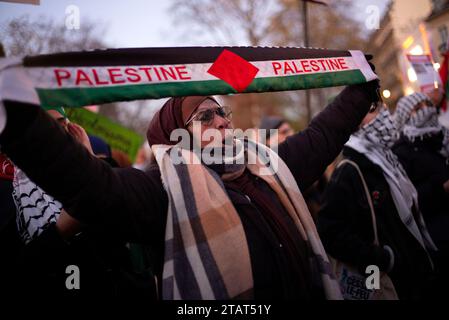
<point x="206" y="252"/>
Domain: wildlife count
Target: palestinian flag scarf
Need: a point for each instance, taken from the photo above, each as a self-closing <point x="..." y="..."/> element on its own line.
<point x="75" y="79"/>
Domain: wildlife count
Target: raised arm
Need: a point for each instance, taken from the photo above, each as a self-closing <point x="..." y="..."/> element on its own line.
<point x="126" y="202"/>
<point x="309" y="152"/>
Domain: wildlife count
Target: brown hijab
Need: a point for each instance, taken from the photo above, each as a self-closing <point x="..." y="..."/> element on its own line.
<point x="173" y="114"/>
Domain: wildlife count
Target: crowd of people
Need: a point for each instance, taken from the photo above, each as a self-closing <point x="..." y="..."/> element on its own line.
<point x="227" y="230"/>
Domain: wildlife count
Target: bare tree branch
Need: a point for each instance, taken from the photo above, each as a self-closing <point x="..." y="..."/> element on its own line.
<point x="271" y="22"/>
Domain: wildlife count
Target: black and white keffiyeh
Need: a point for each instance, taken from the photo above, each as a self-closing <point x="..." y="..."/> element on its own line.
<point x="375" y="140"/>
<point x="424" y="123"/>
<point x="405" y="107"/>
<point x="36" y="209"/>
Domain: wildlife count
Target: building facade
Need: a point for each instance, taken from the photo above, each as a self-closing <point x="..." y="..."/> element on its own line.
<point x="402" y="31"/>
<point x="437" y="24"/>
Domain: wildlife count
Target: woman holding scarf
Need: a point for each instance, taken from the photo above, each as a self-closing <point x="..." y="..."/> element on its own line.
<point x="346" y="226"/>
<point x="217" y="231"/>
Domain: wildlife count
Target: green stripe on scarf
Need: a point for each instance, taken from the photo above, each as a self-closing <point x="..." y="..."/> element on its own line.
<point x="77" y="97"/>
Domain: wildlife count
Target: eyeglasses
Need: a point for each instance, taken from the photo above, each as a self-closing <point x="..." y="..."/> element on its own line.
<point x="207" y="116"/>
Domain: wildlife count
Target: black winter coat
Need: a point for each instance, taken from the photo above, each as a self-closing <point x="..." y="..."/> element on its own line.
<point x="428" y="170"/>
<point x="10" y="242"/>
<point x="107" y="266"/>
<point x="132" y="205"/>
<point x="346" y="229"/>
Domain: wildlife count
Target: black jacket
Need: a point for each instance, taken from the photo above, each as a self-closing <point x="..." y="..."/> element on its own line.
<point x="132" y="205"/>
<point x="428" y="170"/>
<point x="346" y="230"/>
<point x="10" y="242"/>
<point x="108" y="267"/>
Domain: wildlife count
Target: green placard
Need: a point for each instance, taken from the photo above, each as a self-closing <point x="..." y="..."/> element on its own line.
<point x="117" y="136"/>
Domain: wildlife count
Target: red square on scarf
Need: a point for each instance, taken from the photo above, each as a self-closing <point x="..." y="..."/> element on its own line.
<point x="234" y="70"/>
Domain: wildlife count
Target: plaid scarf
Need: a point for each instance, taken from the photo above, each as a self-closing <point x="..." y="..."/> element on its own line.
<point x="374" y="140"/>
<point x="206" y="251"/>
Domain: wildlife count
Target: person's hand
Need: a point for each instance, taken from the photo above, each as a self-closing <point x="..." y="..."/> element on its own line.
<point x="369" y="57"/>
<point x="391" y="254"/>
<point x="67" y="226"/>
<point x="371" y="88"/>
<point x="80" y="135"/>
<point x="446" y="186"/>
<point x="2" y="118"/>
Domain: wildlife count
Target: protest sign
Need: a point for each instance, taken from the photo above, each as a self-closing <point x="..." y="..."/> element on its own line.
<point x="117" y="136"/>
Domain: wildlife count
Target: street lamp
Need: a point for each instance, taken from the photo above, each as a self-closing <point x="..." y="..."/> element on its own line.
<point x="306" y="44"/>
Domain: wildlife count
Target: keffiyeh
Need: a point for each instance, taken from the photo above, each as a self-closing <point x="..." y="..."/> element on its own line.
<point x="423" y="123"/>
<point x="36" y="209"/>
<point x="374" y="140"/>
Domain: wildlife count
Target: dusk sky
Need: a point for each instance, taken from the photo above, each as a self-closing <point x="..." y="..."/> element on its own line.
<point x="134" y="23"/>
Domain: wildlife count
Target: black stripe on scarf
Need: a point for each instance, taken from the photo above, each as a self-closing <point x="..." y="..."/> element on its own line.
<point x="179" y="55"/>
<point x="213" y="272"/>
